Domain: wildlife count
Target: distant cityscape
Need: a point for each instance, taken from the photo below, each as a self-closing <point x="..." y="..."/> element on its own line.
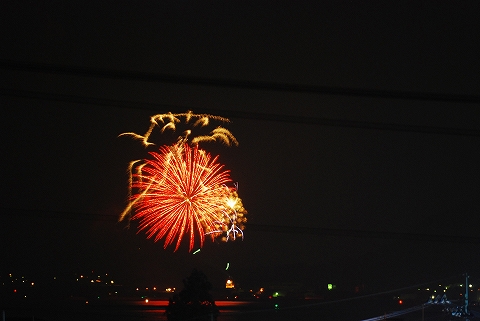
<point x="92" y="286"/>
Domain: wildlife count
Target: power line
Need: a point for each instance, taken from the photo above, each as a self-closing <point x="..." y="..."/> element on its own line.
<point x="240" y="114"/>
<point x="330" y="232"/>
<point x="50" y="214"/>
<point x="232" y="83"/>
<point x="335" y="232"/>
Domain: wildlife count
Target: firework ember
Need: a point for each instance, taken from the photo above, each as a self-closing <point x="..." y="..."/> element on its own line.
<point x="181" y="189"/>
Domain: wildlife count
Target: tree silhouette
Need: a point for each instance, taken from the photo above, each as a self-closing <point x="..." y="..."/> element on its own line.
<point x="194" y="302"/>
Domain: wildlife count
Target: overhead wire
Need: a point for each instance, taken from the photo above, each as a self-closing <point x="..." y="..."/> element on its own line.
<point x="330" y="232"/>
<point x="230" y="83"/>
<point x="79" y="71"/>
<point x="310" y="120"/>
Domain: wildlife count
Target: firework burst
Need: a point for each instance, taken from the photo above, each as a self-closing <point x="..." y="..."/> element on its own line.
<point x="170" y="121"/>
<point x="181" y="189"/>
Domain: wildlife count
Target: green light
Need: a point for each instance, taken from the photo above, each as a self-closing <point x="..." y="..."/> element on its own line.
<point x="228" y="265"/>
<point x="330" y="286"/>
<point x="196" y="251"/>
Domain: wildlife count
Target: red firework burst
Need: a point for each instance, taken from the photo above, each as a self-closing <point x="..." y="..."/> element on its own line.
<point x="181" y="190"/>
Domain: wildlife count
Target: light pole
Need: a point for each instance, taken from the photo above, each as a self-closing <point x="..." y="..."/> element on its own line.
<point x="466" y="293"/>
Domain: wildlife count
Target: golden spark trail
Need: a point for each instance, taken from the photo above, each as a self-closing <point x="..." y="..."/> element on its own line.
<point x="181" y="189"/>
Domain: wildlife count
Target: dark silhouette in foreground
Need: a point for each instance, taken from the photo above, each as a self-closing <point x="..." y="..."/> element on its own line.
<point x="194" y="302"/>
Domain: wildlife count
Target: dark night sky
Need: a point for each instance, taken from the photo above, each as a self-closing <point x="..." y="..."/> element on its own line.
<point x="306" y="185"/>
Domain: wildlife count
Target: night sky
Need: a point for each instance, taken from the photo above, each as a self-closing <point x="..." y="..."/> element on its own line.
<point x="358" y="124"/>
